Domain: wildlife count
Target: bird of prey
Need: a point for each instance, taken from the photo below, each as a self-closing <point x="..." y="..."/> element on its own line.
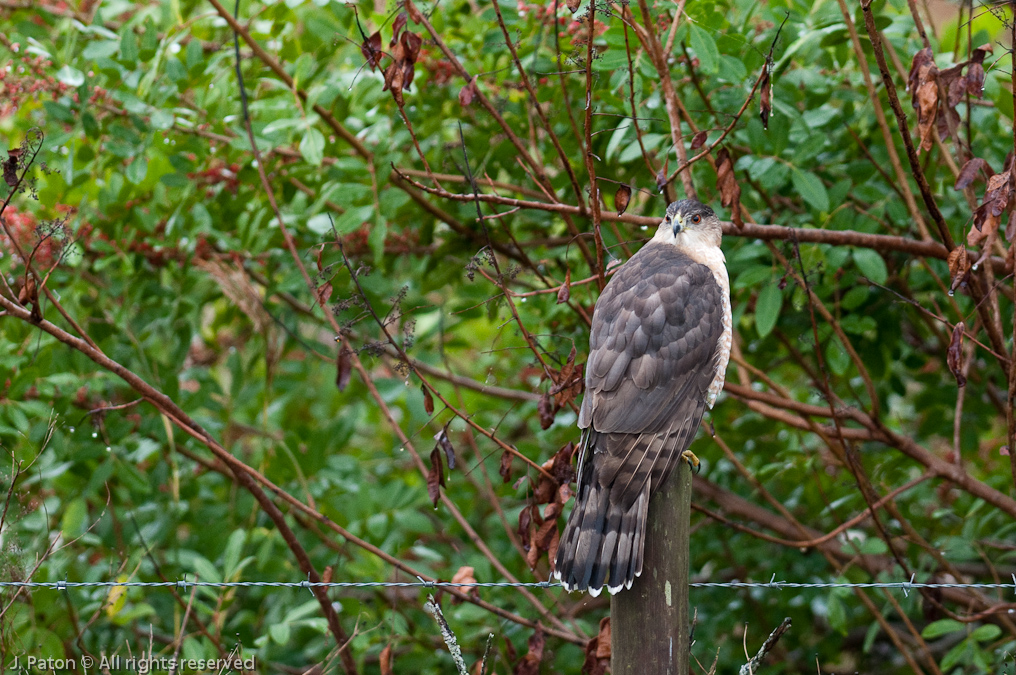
<point x="658" y="350"/>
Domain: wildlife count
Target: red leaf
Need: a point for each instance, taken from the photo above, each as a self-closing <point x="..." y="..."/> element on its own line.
<point x="699" y="140"/>
<point x="621" y="199"/>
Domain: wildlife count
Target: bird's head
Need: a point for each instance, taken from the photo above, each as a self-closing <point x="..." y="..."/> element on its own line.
<point x="688" y="219"/>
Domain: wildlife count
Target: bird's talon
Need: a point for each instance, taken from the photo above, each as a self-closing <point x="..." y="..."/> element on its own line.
<point x="690" y="457"/>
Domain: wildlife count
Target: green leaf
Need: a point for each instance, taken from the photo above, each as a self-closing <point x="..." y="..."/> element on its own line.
<point x="73" y="521"/>
<point x="353" y="218"/>
<point x="811" y="189"/>
<point x="705" y="49"/>
<point x="941" y="627"/>
<point x="871" y="264"/>
<point x="137" y="170"/>
<point x="986" y="633"/>
<point x="312" y="147"/>
<point x="129" y="46"/>
<point x="837" y="357"/>
<point x="767" y="308"/>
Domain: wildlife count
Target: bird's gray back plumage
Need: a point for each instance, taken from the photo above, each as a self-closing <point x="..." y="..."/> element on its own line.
<point x="652" y="357"/>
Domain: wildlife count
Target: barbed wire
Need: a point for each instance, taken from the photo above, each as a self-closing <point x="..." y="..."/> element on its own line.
<point x="184" y="584"/>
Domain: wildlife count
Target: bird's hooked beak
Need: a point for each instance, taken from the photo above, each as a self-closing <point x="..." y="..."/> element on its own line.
<point x="677" y="223"/>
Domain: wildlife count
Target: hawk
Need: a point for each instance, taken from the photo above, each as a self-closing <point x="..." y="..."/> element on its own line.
<point x="658" y="350"/>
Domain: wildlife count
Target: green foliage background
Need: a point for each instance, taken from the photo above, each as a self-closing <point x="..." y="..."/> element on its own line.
<point x="175" y="266"/>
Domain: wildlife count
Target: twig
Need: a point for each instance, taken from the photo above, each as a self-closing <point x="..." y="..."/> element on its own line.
<point x="752" y="666"/>
<point x="434" y="609"/>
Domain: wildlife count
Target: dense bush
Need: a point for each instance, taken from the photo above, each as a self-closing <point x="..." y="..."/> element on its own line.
<point x="174" y="402"/>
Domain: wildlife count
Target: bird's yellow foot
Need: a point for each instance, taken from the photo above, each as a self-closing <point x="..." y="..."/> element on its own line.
<point x="690" y="457"/>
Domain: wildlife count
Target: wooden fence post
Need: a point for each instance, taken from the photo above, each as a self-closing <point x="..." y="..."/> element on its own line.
<point x="649" y="622"/>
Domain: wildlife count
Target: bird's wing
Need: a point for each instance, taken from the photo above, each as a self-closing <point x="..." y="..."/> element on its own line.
<point x="653" y="354"/>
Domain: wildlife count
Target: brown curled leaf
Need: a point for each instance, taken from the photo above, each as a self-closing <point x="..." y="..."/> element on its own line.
<point x="505" y="468"/>
<point x="386" y="660"/>
<point x="954" y="355"/>
<point x="621" y="198"/>
<point x="699" y="139"/>
<point x="11" y="168"/>
<point x="597" y="661"/>
<point x="435" y="476"/>
<point x="564" y="293"/>
<point x="446" y="445"/>
<point x="969" y="173"/>
<point x="414" y="14"/>
<point x="468" y="93"/>
<point x="397" y="26"/>
<point x="344" y="370"/>
<point x="573" y="5"/>
<point x="959" y="266"/>
<point x="547" y="410"/>
<point x="428" y="400"/>
<point x="726" y="182"/>
<point x="766" y="98"/>
<point x="371" y="50"/>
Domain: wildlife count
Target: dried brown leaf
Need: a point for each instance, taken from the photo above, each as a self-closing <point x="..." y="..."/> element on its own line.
<point x="564" y="293"/>
<point x="397" y="26"/>
<point x="530" y="663"/>
<point x="726" y="182"/>
<point x="387" y="660"/>
<point x="927" y="110"/>
<point x="428" y="400"/>
<point x="446" y="446"/>
<point x="435" y="476"/>
<point x="765" y="107"/>
<point x="1010" y="227"/>
<point x="11" y="168"/>
<point x="505" y="468"/>
<point x="344" y="370"/>
<point x="699" y="139"/>
<point x="414" y="14"/>
<point x="371" y="50"/>
<point x="922" y="59"/>
<point x="969" y="173"/>
<point x="603" y="644"/>
<point x="593" y="663"/>
<point x="621" y="198"/>
<point x="954" y="355"/>
<point x="546" y="409"/>
<point x="573" y="5"/>
<point x="468" y="93"/>
<point x="661" y="178"/>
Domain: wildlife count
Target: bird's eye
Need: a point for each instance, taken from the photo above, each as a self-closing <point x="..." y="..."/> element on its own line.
<point x="696" y="219"/>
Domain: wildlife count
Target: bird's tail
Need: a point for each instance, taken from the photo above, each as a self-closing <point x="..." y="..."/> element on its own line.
<point x="603" y="541"/>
